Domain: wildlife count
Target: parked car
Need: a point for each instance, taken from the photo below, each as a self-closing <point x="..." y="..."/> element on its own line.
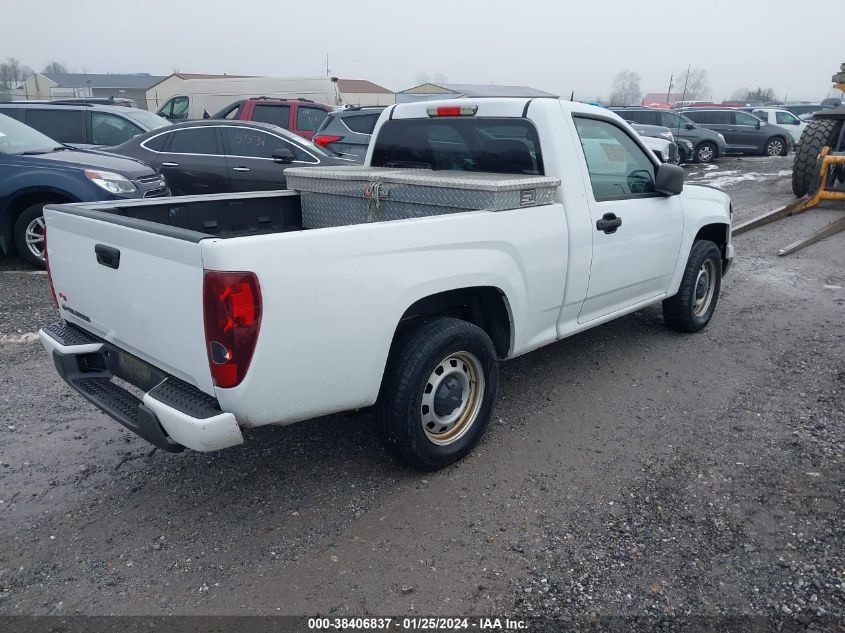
<point x="707" y="144"/>
<point x="666" y="151"/>
<point x="36" y="170"/>
<point x="224" y="156"/>
<point x="300" y="116"/>
<point x="683" y="148"/>
<point x="784" y="118"/>
<point x="410" y="315"/>
<point x="800" y="109"/>
<point x="84" y="125"/>
<point x="743" y="132"/>
<point x="348" y="131"/>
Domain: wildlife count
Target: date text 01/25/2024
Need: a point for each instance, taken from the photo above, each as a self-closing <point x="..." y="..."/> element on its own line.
<point x="415" y="624"/>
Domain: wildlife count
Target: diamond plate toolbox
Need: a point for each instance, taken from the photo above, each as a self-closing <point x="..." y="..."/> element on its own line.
<point x="338" y="196"/>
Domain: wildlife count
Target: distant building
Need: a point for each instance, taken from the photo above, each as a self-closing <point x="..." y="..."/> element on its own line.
<point x="427" y="92"/>
<point x="166" y="87"/>
<point x="661" y="98"/>
<point x="358" y="92"/>
<point x="64" y="85"/>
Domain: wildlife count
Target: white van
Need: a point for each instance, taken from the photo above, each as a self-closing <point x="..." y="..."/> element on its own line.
<point x="200" y="98"/>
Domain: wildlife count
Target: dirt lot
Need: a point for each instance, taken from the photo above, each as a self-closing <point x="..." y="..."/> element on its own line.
<point x="627" y="471"/>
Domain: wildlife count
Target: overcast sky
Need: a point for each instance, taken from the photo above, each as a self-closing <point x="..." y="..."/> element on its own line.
<point x="552" y="45"/>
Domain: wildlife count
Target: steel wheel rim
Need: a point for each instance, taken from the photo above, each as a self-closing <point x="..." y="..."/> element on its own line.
<point x="444" y="427"/>
<point x="775" y="148"/>
<point x="34" y="237"/>
<point x="705" y="153"/>
<point x="704" y="289"/>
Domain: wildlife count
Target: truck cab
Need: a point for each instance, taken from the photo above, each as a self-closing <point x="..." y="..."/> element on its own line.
<point x="300" y="116"/>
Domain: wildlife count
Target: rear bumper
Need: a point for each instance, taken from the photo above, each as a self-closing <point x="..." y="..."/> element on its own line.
<point x="165" y="411"/>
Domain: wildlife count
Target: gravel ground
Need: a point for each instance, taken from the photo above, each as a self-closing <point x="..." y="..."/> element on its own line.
<point x="628" y="471"/>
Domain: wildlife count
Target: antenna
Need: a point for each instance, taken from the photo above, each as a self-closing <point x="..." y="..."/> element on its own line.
<point x="328" y="74"/>
<point x="668" y="92"/>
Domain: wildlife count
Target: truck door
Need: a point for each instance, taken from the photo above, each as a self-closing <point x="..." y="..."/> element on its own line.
<point x="636" y="231"/>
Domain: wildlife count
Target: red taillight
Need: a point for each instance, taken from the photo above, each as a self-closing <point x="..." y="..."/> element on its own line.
<point x="324" y="139"/>
<point x="232" y="314"/>
<point x="47" y="266"/>
<point x="452" y="110"/>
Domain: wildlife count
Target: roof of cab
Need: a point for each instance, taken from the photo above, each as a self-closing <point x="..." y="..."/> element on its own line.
<point x="497" y="106"/>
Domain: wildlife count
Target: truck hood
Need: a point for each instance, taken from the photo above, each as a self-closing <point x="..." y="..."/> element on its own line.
<point x="82" y="159"/>
<point x="705" y="192"/>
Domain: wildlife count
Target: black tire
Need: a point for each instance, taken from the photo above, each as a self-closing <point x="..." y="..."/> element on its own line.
<point x="817" y="134"/>
<point x="776" y="146"/>
<point x="30" y="215"/>
<point x="683" y="312"/>
<point x="411" y="367"/>
<point x="706" y="152"/>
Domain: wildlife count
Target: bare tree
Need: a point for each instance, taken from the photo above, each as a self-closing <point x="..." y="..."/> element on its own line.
<point x="13" y="73"/>
<point x="694" y="82"/>
<point x="55" y="67"/>
<point x="760" y="94"/>
<point x="626" y="89"/>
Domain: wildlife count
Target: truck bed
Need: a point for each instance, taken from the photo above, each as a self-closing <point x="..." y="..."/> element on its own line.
<point x="194" y="218"/>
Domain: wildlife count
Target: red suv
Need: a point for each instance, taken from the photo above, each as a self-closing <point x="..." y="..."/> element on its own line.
<point x="300" y="116"/>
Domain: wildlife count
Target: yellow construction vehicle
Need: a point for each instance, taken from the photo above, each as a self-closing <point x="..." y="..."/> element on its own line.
<point x="818" y="172"/>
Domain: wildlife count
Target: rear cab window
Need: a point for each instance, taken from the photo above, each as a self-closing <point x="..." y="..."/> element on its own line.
<point x="493" y="145"/>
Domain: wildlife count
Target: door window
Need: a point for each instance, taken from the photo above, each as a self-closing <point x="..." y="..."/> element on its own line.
<point x="157" y="143"/>
<point x="109" y="129"/>
<point x="743" y="118"/>
<point x="712" y="117"/>
<point x="196" y="140"/>
<point x="786" y="118"/>
<point x="275" y="114"/>
<point x="65" y="126"/>
<point x="618" y="167"/>
<point x="672" y="120"/>
<point x="645" y="117"/>
<point x="309" y="119"/>
<point x="250" y="143"/>
<point x="175" y="109"/>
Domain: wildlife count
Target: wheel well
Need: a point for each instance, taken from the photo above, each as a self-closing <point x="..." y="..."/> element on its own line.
<point x="23" y="202"/>
<point x="716" y="233"/>
<point x="484" y="306"/>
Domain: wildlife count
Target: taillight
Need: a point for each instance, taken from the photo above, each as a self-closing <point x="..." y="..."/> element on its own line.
<point x="47" y="266"/>
<point x="232" y="315"/>
<point x="324" y="139"/>
<point x="452" y="110"/>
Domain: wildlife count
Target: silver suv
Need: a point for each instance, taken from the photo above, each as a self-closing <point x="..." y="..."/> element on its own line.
<point x="348" y="132"/>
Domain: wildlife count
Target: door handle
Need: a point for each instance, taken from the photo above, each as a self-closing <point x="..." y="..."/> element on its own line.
<point x="240" y="168"/>
<point x="170" y="164"/>
<point x="608" y="223"/>
<point x="107" y="256"/>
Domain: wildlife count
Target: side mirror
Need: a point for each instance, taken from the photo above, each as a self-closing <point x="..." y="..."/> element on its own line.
<point x="760" y="124"/>
<point x="283" y="155"/>
<point x="690" y="126"/>
<point x="669" y="180"/>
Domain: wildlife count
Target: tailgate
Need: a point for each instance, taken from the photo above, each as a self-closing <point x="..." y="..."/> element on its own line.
<point x="144" y="295"/>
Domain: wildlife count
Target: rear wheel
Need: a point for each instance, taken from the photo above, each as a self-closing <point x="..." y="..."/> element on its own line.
<point x="705" y="152"/>
<point x="817" y="134"/>
<point x="29" y="235"/>
<point x="437" y="393"/>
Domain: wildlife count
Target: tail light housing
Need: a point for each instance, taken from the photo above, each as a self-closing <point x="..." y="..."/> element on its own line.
<point x="47" y="266"/>
<point x="232" y="316"/>
<point x="324" y="139"/>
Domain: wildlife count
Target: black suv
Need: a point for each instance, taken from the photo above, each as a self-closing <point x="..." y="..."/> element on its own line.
<point x="743" y="132"/>
<point x="348" y="131"/>
<point x="707" y="145"/>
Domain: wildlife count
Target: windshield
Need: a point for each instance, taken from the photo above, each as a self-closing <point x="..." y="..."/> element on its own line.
<point x="17" y="138"/>
<point x="148" y="119"/>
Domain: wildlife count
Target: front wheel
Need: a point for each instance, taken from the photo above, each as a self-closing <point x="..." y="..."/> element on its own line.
<point x="29" y="235"/>
<point x="775" y="147"/>
<point x="692" y="307"/>
<point x="437" y="393"/>
<point x="705" y="152"/>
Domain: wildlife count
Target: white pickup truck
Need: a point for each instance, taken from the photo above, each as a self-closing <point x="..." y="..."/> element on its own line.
<point x="193" y="318"/>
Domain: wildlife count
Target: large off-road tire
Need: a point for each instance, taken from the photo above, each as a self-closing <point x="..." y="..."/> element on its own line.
<point x="817" y="134"/>
<point x="691" y="309"/>
<point x="437" y="393"/>
<point x="28" y="234"/>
